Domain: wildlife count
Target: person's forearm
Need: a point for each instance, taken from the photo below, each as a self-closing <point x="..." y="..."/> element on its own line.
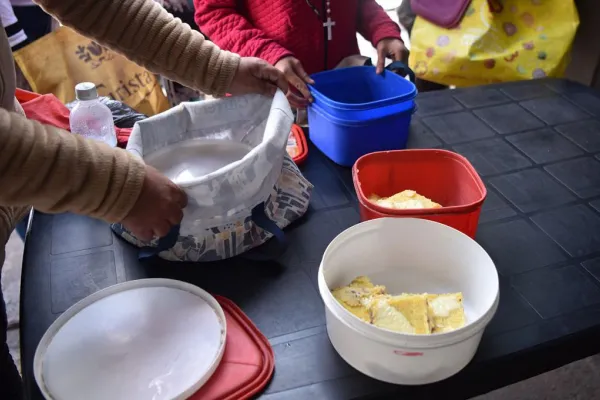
<point x="56" y="171"/>
<point x="148" y="35"/>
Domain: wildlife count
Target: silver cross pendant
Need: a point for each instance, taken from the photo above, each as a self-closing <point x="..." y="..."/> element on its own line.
<point x="329" y="24"/>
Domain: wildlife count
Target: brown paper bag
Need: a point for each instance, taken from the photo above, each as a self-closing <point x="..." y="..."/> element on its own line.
<point x="58" y="61"/>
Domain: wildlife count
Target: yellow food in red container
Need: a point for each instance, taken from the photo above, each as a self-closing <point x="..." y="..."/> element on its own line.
<point x="405" y="200"/>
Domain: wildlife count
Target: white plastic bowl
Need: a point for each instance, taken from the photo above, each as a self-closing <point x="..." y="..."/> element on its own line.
<point x="408" y="255"/>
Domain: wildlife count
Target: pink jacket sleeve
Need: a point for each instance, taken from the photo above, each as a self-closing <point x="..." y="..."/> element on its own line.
<point x="374" y="23"/>
<point x="221" y="22"/>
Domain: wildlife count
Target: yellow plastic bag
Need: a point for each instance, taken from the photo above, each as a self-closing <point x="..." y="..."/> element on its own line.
<point x="496" y="41"/>
<point x="58" y="61"/>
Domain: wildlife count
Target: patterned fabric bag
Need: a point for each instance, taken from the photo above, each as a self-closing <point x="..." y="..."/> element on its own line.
<point x="241" y="205"/>
<point x="496" y="41"/>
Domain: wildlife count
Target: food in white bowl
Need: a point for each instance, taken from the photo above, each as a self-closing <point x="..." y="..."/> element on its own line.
<point x="422" y="313"/>
<point x="408" y="255"/>
<point x="357" y="296"/>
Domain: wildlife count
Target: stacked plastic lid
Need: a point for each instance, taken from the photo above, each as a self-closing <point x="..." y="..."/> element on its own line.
<point x="248" y="362"/>
<point x="297" y="147"/>
<point x="152" y="339"/>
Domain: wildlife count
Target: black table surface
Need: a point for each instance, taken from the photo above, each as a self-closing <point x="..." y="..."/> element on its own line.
<point x="537" y="146"/>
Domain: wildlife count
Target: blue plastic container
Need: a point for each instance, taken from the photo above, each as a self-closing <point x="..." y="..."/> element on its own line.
<point x="356" y="112"/>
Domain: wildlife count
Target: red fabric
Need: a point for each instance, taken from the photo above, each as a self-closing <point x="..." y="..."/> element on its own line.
<point x="48" y="110"/>
<point x="275" y="29"/>
<point x="248" y="362"/>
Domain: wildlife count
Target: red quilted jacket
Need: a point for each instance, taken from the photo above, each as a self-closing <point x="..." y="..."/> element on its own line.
<point x="273" y="29"/>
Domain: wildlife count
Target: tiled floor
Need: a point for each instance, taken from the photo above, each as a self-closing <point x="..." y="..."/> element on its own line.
<point x="577" y="381"/>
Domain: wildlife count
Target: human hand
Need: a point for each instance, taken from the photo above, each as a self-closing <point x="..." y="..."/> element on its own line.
<point x="298" y="78"/>
<point x="159" y="207"/>
<point x="389" y="48"/>
<point x="257" y="76"/>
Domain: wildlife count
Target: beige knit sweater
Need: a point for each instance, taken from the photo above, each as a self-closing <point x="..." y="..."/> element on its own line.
<point x="55" y="171"/>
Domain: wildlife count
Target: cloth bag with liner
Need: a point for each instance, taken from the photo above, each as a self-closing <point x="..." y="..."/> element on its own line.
<point x="242" y="205"/>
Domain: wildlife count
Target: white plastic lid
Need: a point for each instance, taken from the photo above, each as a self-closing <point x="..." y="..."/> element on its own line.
<point x="156" y="339"/>
<point x="86" y="91"/>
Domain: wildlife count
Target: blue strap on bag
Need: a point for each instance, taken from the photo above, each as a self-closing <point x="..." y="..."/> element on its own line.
<point x="270" y="250"/>
<point x="398" y="67"/>
<point x="164" y="243"/>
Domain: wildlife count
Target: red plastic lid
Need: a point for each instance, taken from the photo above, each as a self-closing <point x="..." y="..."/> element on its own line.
<point x="297" y="147"/>
<point x="248" y="362"/>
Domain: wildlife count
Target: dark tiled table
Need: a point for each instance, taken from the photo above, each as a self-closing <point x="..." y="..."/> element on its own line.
<point x="537" y="146"/>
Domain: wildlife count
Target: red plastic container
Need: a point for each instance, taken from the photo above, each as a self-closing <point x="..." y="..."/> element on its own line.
<point x="443" y="176"/>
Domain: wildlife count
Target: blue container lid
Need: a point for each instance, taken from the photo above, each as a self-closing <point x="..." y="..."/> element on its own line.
<point x="360" y="88"/>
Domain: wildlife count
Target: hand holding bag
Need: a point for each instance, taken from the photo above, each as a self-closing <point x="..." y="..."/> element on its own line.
<point x="235" y="207"/>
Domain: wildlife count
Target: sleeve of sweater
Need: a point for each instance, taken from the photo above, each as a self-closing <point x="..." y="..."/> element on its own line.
<point x="221" y="21"/>
<point x="56" y="171"/>
<point x="147" y="34"/>
<point x="374" y="24"/>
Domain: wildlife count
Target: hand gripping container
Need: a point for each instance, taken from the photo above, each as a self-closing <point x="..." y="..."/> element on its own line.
<point x="443" y="176"/>
<point x="355" y="112"/>
<point x="408" y="255"/>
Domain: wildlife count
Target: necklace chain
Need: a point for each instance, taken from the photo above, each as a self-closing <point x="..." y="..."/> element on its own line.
<point x="312" y="6"/>
<point x="326" y="20"/>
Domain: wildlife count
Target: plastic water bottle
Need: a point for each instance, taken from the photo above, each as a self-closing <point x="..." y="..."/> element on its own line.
<point x="91" y="118"/>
